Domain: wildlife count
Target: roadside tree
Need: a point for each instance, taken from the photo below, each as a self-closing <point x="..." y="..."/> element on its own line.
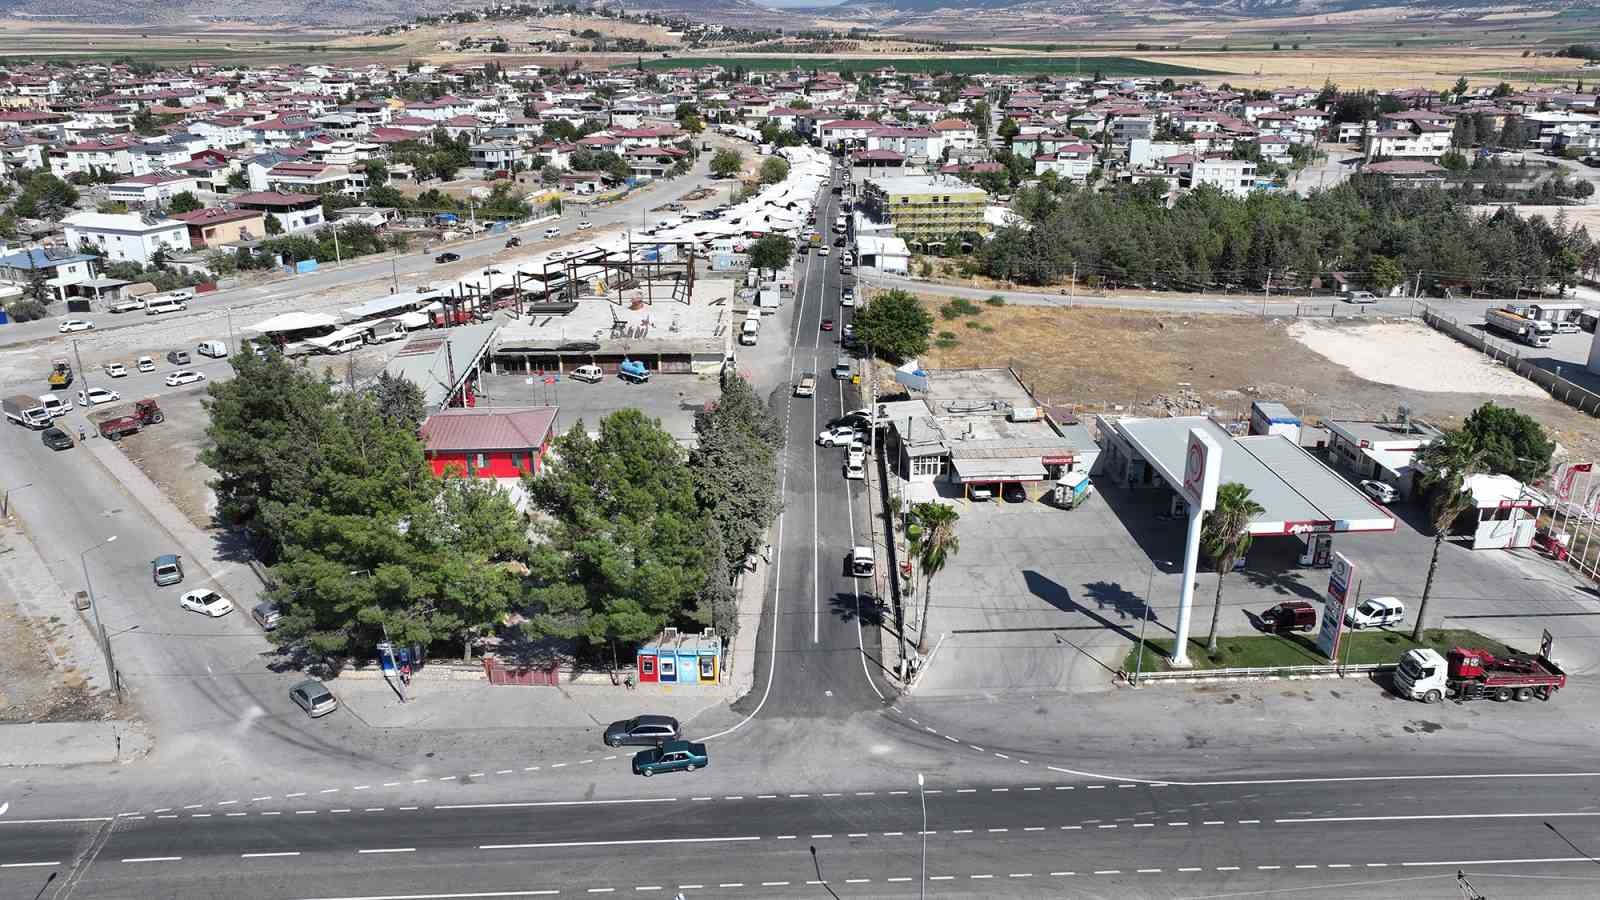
<point x="1447" y="463"/>
<point x="933" y="543"/>
<point x="894" y="325"/>
<point x="726" y="163"/>
<point x="1225" y="536"/>
<point x="774" y="169"/>
<point x="771" y="251"/>
<point x="1512" y="443"/>
<point x="183" y="202"/>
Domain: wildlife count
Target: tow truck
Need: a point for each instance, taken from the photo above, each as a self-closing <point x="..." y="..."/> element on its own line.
<point x="1470" y="674"/>
<point x="60" y="375"/>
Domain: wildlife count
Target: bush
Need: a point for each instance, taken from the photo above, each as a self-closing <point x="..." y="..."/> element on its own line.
<point x="959" y="307"/>
<point x="996" y="300"/>
<point x="27" y="310"/>
<point x="947" y="339"/>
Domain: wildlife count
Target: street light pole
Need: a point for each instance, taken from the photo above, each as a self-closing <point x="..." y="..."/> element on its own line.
<point x="5" y="499"/>
<point x="94" y="606"/>
<point x="923" y="796"/>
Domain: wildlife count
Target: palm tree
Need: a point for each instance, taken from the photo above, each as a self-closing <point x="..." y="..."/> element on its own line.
<point x="933" y="542"/>
<point x="1447" y="463"/>
<point x="1225" y="535"/>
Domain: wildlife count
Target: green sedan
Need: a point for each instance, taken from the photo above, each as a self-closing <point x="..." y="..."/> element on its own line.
<point x="673" y="756"/>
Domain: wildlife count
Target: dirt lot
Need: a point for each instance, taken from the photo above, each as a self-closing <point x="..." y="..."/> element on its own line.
<point x="1113" y="360"/>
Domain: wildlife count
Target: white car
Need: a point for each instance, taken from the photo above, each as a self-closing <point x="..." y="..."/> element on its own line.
<point x="70" y="325"/>
<point x="552" y="232"/>
<point x="116" y="370"/>
<point x="209" y="603"/>
<point x="146" y="364"/>
<point x="822" y="252"/>
<point x="837" y="437"/>
<point x="1379" y="491"/>
<point x="857" y="454"/>
<point x="185" y="376"/>
<point x="585" y="225"/>
<point x="854" y="470"/>
<point x="93" y="396"/>
<point x="847" y="299"/>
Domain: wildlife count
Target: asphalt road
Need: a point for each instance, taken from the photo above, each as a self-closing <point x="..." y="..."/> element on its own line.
<point x="815" y="794"/>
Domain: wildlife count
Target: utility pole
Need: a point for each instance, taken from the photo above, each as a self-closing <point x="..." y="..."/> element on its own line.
<point x="337" y="256"/>
<point x="232" y="346"/>
<point x="1072" y="292"/>
<point x="1267" y="293"/>
<point x="394" y="271"/>
<point x="94" y="606"/>
<point x="79" y="360"/>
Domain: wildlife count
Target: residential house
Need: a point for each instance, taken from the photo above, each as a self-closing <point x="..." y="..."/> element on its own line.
<point x="295" y="212"/>
<point x="213" y="227"/>
<point x="126" y="237"/>
<point x="155" y="189"/>
<point x="62" y="270"/>
<point x="499" y="443"/>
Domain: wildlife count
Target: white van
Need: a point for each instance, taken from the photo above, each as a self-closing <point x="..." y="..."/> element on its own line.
<point x="343" y="345"/>
<point x="1375" y="612"/>
<point x="165" y="304"/>
<point x="55" y="405"/>
<point x="591" y="374"/>
<point x="213" y="349"/>
<point x="552" y="232"/>
<point x="750" y="331"/>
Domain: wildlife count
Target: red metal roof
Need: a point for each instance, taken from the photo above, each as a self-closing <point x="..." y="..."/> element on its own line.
<point x="458" y="430"/>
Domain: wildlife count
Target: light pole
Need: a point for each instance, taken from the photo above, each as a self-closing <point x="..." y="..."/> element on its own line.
<point x="99" y="630"/>
<point x="922" y="795"/>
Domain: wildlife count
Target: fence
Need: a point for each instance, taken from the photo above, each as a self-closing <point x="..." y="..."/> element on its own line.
<point x="1560" y="388"/>
<point x="499" y="673"/>
<point x="1262" y="672"/>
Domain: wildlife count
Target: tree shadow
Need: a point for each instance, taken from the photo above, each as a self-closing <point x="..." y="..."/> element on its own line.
<point x="868" y="609"/>
<point x="1055" y="594"/>
<point x="1125" y="603"/>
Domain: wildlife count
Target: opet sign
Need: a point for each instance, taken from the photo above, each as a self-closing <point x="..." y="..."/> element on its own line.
<point x="1339" y="579"/>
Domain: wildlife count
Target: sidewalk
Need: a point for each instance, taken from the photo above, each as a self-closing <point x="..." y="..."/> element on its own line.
<point x="468" y="706"/>
<point x="71" y="743"/>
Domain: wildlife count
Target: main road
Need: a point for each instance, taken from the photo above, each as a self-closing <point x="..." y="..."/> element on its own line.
<point x="814" y="788"/>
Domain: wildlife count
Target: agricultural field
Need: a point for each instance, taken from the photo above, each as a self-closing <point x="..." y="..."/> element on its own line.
<point x="967" y="65"/>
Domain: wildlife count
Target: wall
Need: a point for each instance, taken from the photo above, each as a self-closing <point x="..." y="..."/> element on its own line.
<point x="1559" y="388"/>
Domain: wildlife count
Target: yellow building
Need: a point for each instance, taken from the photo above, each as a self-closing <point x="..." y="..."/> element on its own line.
<point x="925" y="208"/>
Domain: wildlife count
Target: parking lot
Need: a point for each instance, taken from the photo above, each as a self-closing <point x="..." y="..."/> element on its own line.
<point x="1041" y="598"/>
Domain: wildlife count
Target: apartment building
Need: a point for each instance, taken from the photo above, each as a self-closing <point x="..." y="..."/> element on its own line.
<point x="925" y="207"/>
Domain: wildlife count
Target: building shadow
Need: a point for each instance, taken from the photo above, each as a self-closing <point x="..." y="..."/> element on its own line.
<point x="1144" y="514"/>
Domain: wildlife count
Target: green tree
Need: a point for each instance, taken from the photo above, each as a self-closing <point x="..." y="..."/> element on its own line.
<point x="621" y="548"/>
<point x="273" y="225"/>
<point x="1385" y="274"/>
<point x="735" y="474"/>
<point x="771" y="251"/>
<point x="1008" y="129"/>
<point x="238" y="181"/>
<point x="1447" y="463"/>
<point x="183" y="202"/>
<point x="1225" y="536"/>
<point x="466" y="544"/>
<point x="1511" y="442"/>
<point x="1460" y="88"/>
<point x="774" y="169"/>
<point x="400" y="402"/>
<point x="726" y="163"/>
<point x="894" y="325"/>
<point x="377" y="172"/>
<point x="1465" y="132"/>
<point x="933" y="542"/>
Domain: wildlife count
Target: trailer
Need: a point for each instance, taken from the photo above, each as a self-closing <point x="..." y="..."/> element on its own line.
<point x="1519" y="327"/>
<point x="145" y="412"/>
<point x="1470" y="674"/>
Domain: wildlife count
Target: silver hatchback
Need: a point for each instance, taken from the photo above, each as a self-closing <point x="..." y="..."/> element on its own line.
<point x="314" y="697"/>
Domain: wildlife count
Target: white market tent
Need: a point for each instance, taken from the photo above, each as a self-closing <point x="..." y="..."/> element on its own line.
<point x="293" y="321"/>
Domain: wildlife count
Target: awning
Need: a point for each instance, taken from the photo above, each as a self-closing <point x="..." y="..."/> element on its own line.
<point x="1395" y="462"/>
<point x="1023" y="468"/>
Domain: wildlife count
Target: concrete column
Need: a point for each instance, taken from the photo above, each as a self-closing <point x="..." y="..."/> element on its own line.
<point x="1191" y="560"/>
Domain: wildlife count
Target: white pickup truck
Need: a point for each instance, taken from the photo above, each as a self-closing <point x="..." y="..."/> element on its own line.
<point x="131" y="304"/>
<point x="806" y="386"/>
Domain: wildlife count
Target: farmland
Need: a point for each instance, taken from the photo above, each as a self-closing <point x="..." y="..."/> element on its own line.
<point x="966" y="65"/>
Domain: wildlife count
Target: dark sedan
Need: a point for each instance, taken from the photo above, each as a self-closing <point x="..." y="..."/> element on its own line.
<point x="643" y="731"/>
<point x="676" y="756"/>
<point x="447" y="258"/>
<point x="56" y="439"/>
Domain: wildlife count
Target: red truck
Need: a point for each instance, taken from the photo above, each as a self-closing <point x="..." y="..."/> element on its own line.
<point x="145" y="412"/>
<point x="1476" y="675"/>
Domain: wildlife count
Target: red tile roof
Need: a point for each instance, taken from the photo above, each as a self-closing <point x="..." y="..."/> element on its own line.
<point x="457" y="430"/>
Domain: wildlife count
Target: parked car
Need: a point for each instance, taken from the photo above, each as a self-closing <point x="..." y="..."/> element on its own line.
<point x="854" y="470"/>
<point x="266" y="615"/>
<point x="1291" y="615"/>
<point x="827" y="324"/>
<point x="129" y="305"/>
<point x="116" y="370"/>
<point x="513" y="242"/>
<point x="647" y="731"/>
<point x="166" y="569"/>
<point x="1360" y="297"/>
<point x="213" y="349"/>
<point x="206" y="602"/>
<point x="70" y="325"/>
<point x="178" y="357"/>
<point x="93" y="396"/>
<point x="551" y="233"/>
<point x="1376" y="612"/>
<point x="839" y="436"/>
<point x="585" y="225"/>
<point x="822" y="251"/>
<point x="447" y="258"/>
<point x="56" y="439"/>
<point x="185" y="376"/>
<point x="1377" y="490"/>
<point x="314" y="697"/>
<point x="591" y="374"/>
<point x="675" y="756"/>
<point x="145" y="364"/>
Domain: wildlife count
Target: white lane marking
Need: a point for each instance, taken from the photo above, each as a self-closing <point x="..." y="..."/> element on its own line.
<point x="1190" y="869"/>
<point x="389" y="850"/>
<point x="637" y="842"/>
<point x="296" y="794"/>
<point x="1249" y="821"/>
<point x="226" y="802"/>
<point x="1505" y="815"/>
<point x="508" y="771"/>
<point x="941" y="877"/>
<point x="55" y="821"/>
<point x="269" y="855"/>
<point x="1108" y="871"/>
<point x="604" y="890"/>
<point x="368" y="787"/>
<point x="1165" y="782"/>
<point x="1501" y="862"/>
<point x="332" y="790"/>
<point x="144" y="859"/>
<point x="535" y="803"/>
<point x="1148" y="871"/>
<point x="460" y="896"/>
<point x="28" y="865"/>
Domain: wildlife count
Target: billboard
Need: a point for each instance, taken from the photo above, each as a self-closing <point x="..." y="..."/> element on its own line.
<point x="1339" y="578"/>
<point x="1200" y="468"/>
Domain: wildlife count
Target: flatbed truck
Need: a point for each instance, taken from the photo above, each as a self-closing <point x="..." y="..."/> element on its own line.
<point x="1468" y="674"/>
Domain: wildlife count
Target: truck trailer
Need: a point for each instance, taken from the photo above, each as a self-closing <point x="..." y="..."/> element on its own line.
<point x="1520" y="328"/>
<point x="1469" y="674"/>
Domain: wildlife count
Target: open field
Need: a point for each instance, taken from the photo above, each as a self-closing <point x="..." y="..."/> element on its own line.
<point x="36" y="41"/>
<point x="1137" y="362"/>
<point x="970" y="65"/>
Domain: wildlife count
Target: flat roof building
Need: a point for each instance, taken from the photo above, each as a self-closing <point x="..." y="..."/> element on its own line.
<point x="926" y="208"/>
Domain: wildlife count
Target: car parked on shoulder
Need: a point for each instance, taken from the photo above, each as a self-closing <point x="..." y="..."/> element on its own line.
<point x="94" y="396"/>
<point x="116" y="370"/>
<point x="590" y="374"/>
<point x="71" y="325"/>
<point x="186" y="376"/>
<point x="643" y="731"/>
<point x="206" y="602"/>
<point x="675" y="756"/>
<point x="1379" y="491"/>
<point x="178" y="357"/>
<point x="266" y="615"/>
<point x="145" y="364"/>
<point x="56" y="439"/>
<point x="585" y="225"/>
<point x="854" y="470"/>
<point x="314" y="697"/>
<point x="166" y="569"/>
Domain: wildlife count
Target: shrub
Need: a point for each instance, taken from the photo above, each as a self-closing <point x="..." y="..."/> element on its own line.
<point x="27" y="310"/>
<point x="959" y="307"/>
<point x="947" y="339"/>
<point x="996" y="300"/>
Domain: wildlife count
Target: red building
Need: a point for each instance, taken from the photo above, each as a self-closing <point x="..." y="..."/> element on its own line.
<point x="489" y="442"/>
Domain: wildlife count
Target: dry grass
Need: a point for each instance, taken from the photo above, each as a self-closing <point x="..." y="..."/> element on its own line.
<point x="1102" y="359"/>
<point x="1376" y="68"/>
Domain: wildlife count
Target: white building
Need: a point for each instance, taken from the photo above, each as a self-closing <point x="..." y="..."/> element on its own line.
<point x="126" y="237"/>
